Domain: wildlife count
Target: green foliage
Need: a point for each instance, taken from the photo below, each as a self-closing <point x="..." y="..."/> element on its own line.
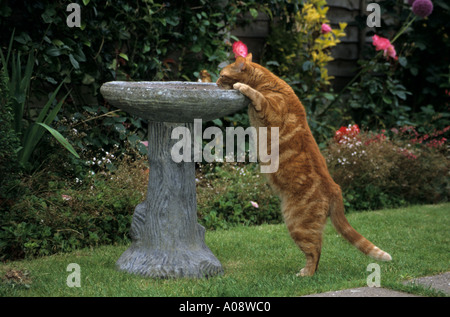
<point x="122" y="40"/>
<point x="9" y="142"/>
<point x="60" y="216"/>
<point x="425" y="47"/>
<point x="299" y="52"/>
<point x="232" y="194"/>
<point x="413" y="90"/>
<point x="101" y="135"/>
<point x="387" y="170"/>
<point x="18" y="85"/>
<point x="378" y="99"/>
<point x="88" y="200"/>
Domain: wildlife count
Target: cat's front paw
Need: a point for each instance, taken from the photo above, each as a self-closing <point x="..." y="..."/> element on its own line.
<point x="241" y="87"/>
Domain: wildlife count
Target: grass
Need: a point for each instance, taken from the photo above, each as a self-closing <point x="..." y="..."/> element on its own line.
<point x="260" y="261"/>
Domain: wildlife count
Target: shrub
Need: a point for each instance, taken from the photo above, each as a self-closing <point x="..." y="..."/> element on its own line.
<point x="59" y="216"/>
<point x="425" y="47"/>
<point x="122" y="40"/>
<point x="387" y="170"/>
<point x="298" y="50"/>
<point x="101" y="134"/>
<point x="9" y="143"/>
<point x="378" y="99"/>
<point x="229" y="194"/>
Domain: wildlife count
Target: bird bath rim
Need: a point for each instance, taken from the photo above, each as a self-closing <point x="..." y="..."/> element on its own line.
<point x="173" y="101"/>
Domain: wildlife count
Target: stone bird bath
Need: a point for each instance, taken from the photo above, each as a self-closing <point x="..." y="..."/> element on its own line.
<point x="167" y="241"/>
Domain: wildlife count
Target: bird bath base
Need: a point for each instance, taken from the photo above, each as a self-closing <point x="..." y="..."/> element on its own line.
<point x="167" y="241"/>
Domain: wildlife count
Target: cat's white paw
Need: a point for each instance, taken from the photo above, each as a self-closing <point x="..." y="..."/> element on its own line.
<point x="238" y="86"/>
<point x="304" y="272"/>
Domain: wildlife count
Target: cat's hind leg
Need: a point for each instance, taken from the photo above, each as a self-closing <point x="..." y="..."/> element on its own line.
<point x="305" y="224"/>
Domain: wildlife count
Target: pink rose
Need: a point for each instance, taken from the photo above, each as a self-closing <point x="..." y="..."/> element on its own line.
<point x="383" y="44"/>
<point x="391" y="52"/>
<point x="325" y="28"/>
<point x="239" y="49"/>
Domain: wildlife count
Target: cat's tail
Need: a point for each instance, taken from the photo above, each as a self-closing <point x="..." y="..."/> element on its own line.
<point x="354" y="237"/>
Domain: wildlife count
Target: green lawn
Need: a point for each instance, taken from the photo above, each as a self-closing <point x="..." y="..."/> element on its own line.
<point x="261" y="261"/>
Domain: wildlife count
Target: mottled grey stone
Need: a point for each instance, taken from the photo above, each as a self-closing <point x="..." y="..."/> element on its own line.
<point x="173" y="101"/>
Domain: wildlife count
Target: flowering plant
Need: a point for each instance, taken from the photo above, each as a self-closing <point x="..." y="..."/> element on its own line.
<point x="383" y="44"/>
<point x="344" y="134"/>
<point x="240" y="49"/>
<point x="325" y="28"/>
<point x="422" y="8"/>
<point x="388" y="168"/>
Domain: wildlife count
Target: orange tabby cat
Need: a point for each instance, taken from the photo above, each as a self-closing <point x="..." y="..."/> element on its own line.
<point x="308" y="193"/>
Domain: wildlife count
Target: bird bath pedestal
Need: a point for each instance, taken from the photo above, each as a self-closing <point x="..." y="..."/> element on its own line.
<point x="167" y="241"/>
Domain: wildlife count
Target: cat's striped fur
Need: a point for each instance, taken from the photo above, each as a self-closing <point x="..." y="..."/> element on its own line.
<point x="308" y="193"/>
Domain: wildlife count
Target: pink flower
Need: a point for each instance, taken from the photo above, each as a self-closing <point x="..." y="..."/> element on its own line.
<point x="239" y="49"/>
<point x="383" y="44"/>
<point x="145" y="143"/>
<point x="254" y="204"/>
<point x="325" y="28"/>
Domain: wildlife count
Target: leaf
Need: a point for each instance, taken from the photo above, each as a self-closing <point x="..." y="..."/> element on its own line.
<point x="60" y="139"/>
<point x="58" y="42"/>
<point x="86" y="2"/>
<point x="428" y="110"/>
<point x="329" y="96"/>
<point x="23" y="38"/>
<point x="47" y="16"/>
<point x="124" y="56"/>
<point x="401" y="94"/>
<point x="120" y="128"/>
<point x="51" y="80"/>
<point x="53" y="51"/>
<point x="74" y="62"/>
<point x="254" y="13"/>
<point x="218" y="122"/>
<point x="88" y="79"/>
<point x="307" y="65"/>
<point x="403" y="61"/>
<point x="196" y="48"/>
<point x="387" y="100"/>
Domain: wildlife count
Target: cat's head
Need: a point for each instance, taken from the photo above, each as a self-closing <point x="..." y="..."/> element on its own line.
<point x="236" y="72"/>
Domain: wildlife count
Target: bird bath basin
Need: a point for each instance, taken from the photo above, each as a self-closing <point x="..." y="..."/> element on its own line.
<point x="167" y="241"/>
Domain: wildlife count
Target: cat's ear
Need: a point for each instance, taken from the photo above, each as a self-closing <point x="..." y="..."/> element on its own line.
<point x="240" y="62"/>
<point x="249" y="57"/>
